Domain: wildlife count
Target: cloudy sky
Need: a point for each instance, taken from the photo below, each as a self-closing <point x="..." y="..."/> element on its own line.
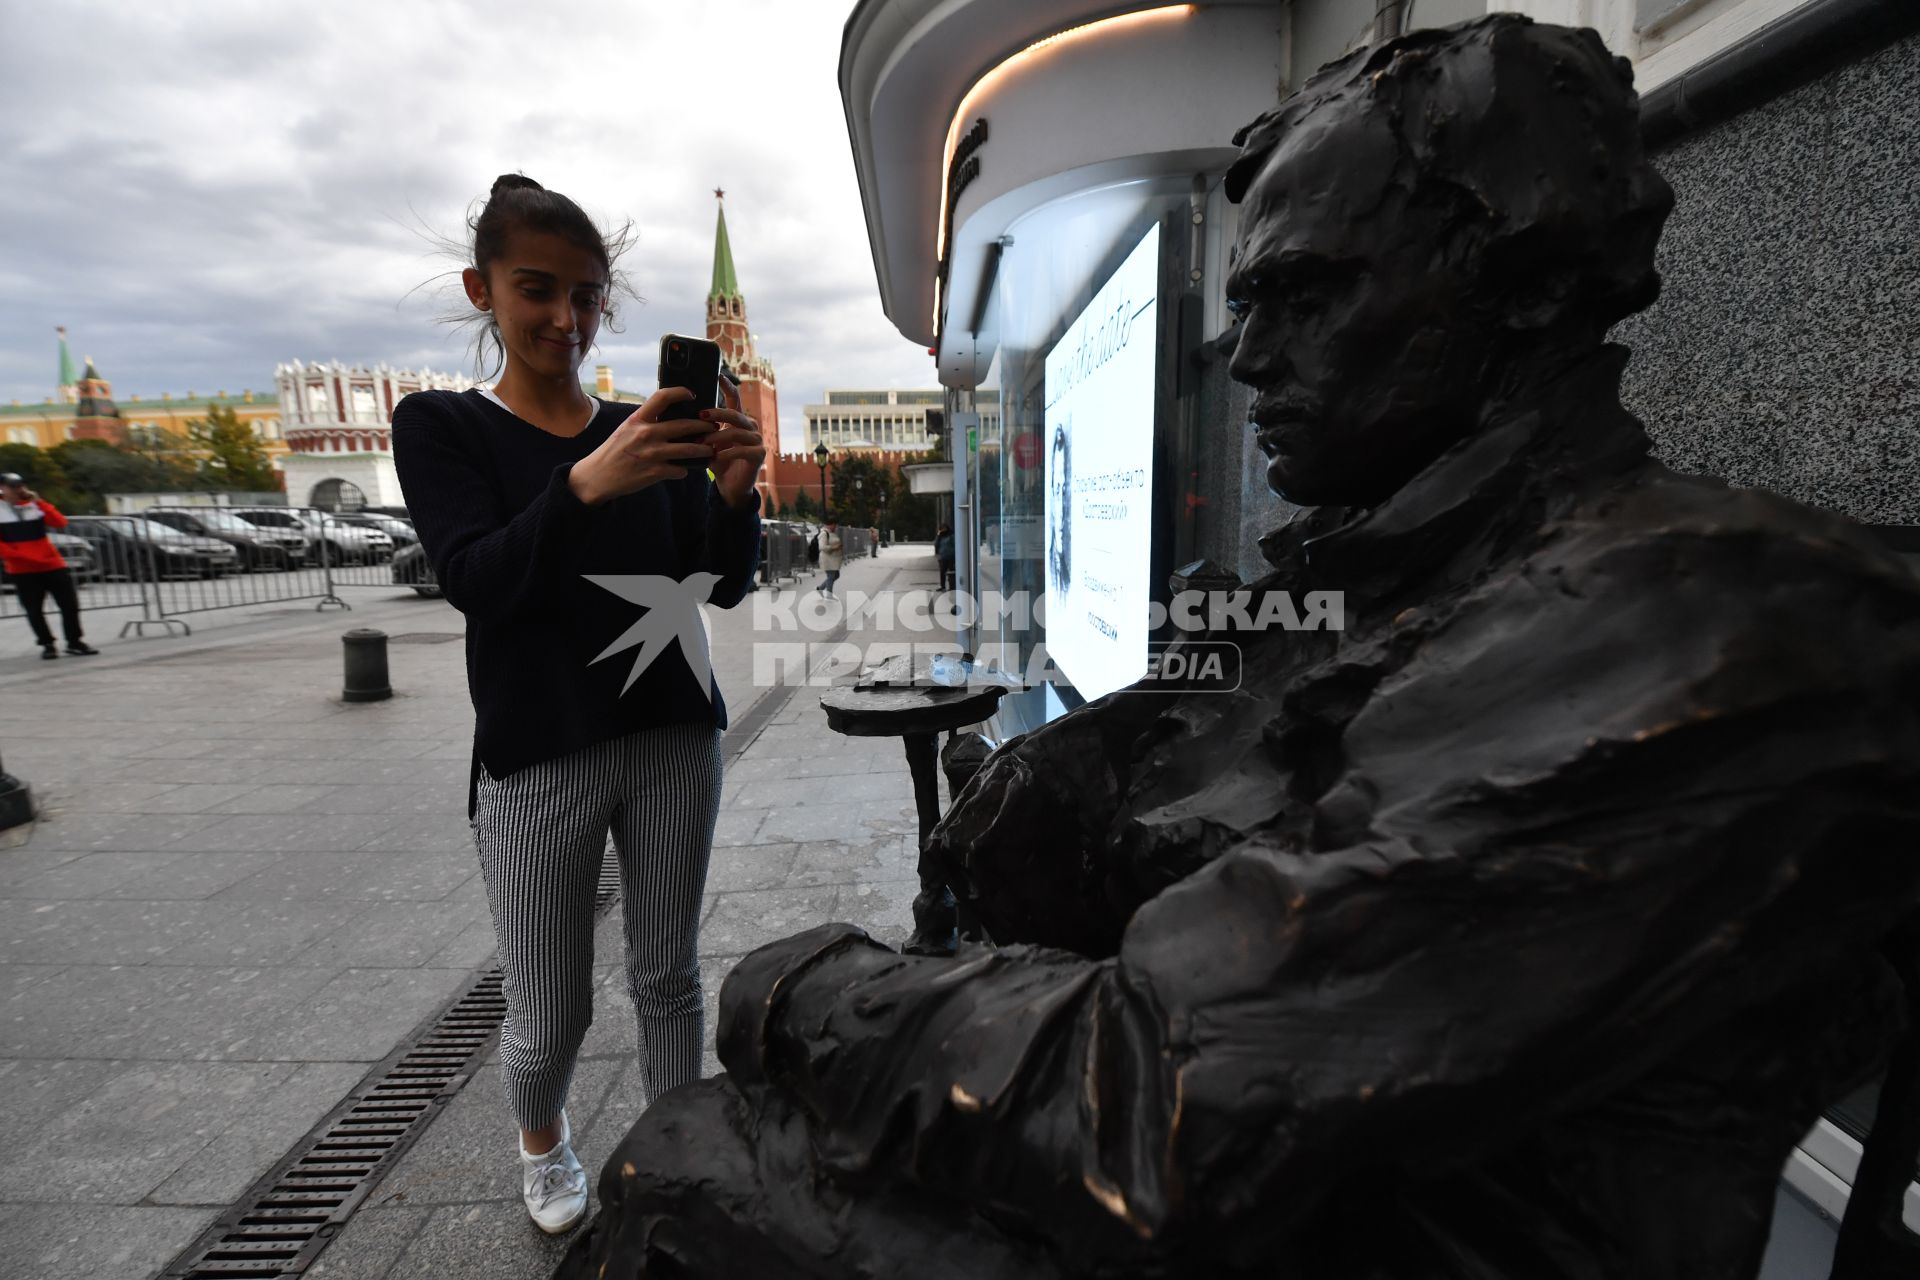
<point x="199" y="189"/>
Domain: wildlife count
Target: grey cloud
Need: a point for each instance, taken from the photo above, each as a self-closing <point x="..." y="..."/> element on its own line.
<point x="267" y="189"/>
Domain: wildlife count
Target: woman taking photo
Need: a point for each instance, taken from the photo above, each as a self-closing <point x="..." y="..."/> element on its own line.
<point x="520" y="493"/>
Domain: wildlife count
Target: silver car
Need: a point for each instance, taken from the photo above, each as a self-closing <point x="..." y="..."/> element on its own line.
<point x="338" y="541"/>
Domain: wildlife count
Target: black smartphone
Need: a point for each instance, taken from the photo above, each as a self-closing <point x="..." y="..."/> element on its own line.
<point x="693" y="363"/>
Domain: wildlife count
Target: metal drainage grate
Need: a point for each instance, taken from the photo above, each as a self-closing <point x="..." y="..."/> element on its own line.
<point x="425" y="637"/>
<point x="283" y="1222"/>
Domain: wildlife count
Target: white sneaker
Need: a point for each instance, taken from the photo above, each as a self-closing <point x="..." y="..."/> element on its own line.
<point x="554" y="1185"/>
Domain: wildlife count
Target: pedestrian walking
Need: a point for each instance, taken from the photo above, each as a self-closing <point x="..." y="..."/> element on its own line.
<point x="524" y="494"/>
<point x="873" y="540"/>
<point x="832" y="555"/>
<point x="36" y="568"/>
<point x="943" y="555"/>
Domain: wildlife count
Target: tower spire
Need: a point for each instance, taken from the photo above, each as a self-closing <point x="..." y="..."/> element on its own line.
<point x="69" y="392"/>
<point x="725" y="283"/>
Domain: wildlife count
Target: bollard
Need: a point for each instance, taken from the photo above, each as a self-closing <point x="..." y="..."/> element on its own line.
<point x="366" y="666"/>
<point x="16" y="809"/>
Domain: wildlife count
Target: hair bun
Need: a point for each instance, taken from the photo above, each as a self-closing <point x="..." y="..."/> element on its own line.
<point x="513" y="182"/>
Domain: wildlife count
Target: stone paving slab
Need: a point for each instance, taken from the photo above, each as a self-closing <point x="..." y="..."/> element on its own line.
<point x="814" y="827"/>
<point x="244" y="892"/>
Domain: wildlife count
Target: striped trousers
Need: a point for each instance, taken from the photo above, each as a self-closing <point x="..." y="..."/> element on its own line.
<point x="541" y="833"/>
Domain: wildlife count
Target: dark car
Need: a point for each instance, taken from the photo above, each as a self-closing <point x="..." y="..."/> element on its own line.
<point x="129" y="548"/>
<point x="411" y="568"/>
<point x="259" y="549"/>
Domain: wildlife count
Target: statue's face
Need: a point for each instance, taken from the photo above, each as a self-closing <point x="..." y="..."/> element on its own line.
<point x="1360" y="336"/>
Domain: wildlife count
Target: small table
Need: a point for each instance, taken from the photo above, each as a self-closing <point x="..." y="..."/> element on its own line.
<point x="900" y="700"/>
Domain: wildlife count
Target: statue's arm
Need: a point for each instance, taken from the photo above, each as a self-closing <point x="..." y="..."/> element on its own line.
<point x="1024" y="840"/>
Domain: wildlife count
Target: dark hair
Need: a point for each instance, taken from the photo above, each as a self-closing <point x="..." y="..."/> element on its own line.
<point x="518" y="203"/>
<point x="1527" y="134"/>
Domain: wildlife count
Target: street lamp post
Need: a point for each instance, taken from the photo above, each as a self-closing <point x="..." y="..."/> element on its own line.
<point x="820" y="456"/>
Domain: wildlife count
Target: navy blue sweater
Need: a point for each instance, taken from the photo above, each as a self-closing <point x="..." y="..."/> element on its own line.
<point x="510" y="542"/>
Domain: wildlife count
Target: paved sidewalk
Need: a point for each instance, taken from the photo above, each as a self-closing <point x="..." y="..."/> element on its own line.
<point x="814" y="827"/>
<point x="243" y="893"/>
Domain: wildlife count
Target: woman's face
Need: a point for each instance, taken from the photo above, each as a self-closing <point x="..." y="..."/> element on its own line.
<point x="548" y="295"/>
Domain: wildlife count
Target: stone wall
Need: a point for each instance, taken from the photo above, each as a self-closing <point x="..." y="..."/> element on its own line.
<point x="1785" y="349"/>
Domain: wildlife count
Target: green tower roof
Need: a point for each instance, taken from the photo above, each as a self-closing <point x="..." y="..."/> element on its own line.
<point x="67" y="377"/>
<point x="725" y="283"/>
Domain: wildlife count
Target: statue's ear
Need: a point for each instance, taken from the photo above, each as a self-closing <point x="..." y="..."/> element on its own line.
<point x="1530" y="279"/>
<point x="1538" y="299"/>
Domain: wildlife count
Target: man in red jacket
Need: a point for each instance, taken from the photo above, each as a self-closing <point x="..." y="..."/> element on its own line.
<point x="36" y="567"/>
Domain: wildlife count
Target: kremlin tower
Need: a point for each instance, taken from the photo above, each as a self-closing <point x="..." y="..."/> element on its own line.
<point x="727" y="327"/>
<point x="95" y="416"/>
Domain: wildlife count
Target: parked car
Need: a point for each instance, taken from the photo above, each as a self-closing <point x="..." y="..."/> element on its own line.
<point x="342" y="543"/>
<point x="399" y="530"/>
<point x="77" y="552"/>
<point x="259" y="549"/>
<point x="411" y="568"/>
<point x="131" y="548"/>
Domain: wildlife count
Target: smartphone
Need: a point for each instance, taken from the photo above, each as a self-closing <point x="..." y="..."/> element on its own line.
<point x="693" y="363"/>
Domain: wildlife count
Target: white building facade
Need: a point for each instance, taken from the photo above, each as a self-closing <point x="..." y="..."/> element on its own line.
<point x="337" y="419"/>
<point x="894" y="420"/>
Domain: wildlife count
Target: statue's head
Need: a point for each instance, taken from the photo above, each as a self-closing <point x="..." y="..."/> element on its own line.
<point x="1426" y="226"/>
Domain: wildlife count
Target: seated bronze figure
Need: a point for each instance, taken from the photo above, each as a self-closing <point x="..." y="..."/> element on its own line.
<point x="1515" y="933"/>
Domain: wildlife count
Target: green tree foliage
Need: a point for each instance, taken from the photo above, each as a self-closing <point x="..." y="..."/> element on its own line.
<point x="236" y="460"/>
<point x="95" y="468"/>
<point x="41" y="472"/>
<point x="856" y="490"/>
<point x="804" y="507"/>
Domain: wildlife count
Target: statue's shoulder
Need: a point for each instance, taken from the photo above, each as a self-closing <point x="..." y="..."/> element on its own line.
<point x="1703" y="522"/>
<point x="1695" y="553"/>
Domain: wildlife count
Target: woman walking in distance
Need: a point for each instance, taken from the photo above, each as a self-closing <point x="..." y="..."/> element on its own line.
<point x="548" y="516"/>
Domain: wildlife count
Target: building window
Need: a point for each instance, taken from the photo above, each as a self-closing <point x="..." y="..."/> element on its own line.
<point x="23" y="435"/>
<point x="337" y="495"/>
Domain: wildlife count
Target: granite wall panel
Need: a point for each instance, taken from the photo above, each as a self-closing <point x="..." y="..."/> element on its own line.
<point x="1784" y="351"/>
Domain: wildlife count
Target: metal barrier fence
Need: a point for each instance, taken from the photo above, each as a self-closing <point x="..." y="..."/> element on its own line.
<point x="170" y="561"/>
<point x="783" y="552"/>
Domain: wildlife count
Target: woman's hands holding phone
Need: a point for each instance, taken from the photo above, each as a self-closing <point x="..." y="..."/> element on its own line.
<point x="738" y="449"/>
<point x="644" y="450"/>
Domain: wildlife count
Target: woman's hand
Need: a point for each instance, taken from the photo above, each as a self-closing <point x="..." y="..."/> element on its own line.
<point x="738" y="450"/>
<point x="644" y="450"/>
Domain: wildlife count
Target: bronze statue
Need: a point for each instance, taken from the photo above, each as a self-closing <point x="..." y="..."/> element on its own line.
<point x="1515" y="933"/>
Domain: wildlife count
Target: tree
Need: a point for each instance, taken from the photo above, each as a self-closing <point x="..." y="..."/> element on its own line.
<point x="803" y="505"/>
<point x="95" y="468"/>
<point x="236" y="460"/>
<point x="41" y="472"/>
<point x="912" y="516"/>
<point x="857" y="482"/>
